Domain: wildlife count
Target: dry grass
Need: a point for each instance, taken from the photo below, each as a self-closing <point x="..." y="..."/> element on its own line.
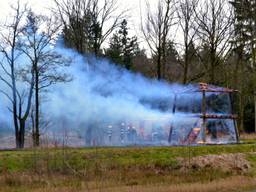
<point x="218" y="168"/>
<point x="248" y="137"/>
<point x="231" y="184"/>
<point x="234" y="183"/>
<point x="226" y="162"/>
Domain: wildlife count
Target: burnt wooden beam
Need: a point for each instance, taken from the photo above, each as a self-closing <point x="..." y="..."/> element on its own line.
<point x="214" y="116"/>
<point x="204" y="87"/>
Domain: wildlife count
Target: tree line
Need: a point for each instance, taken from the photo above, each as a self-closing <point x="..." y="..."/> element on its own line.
<point x="184" y="41"/>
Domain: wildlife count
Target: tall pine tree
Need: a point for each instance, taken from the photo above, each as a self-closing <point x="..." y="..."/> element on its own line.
<point x="245" y="50"/>
<point x="123" y="48"/>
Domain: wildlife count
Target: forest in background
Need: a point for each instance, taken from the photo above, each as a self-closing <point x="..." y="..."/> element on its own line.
<point x="187" y="41"/>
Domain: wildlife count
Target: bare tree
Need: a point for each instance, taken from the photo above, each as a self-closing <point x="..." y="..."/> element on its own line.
<point x="46" y="62"/>
<point x="186" y="14"/>
<point x="74" y="17"/>
<point x="214" y="19"/>
<point x="105" y="20"/>
<point x="156" y="31"/>
<point x="91" y="21"/>
<point x="20" y="99"/>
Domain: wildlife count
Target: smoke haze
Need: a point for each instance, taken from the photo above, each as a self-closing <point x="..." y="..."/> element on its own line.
<point x="105" y="104"/>
<point x="104" y="95"/>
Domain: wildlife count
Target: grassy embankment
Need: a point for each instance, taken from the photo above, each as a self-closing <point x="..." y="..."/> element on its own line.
<point x="130" y="169"/>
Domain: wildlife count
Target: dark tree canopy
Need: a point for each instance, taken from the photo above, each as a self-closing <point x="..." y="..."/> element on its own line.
<point x="122" y="48"/>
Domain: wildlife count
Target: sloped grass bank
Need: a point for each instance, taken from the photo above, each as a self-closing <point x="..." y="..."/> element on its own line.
<point x="127" y="169"/>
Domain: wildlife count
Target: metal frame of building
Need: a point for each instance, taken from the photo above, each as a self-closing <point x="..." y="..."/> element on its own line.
<point x="206" y="88"/>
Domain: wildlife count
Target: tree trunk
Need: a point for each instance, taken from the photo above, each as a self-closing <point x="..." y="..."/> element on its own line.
<point x="164" y="57"/>
<point x="212" y="63"/>
<point x="159" y="74"/>
<point x="241" y="112"/>
<point x="186" y="33"/>
<point x="14" y="107"/>
<point x="16" y="126"/>
<point x="242" y="96"/>
<point x="20" y="138"/>
<point x="164" y="64"/>
<point x="185" y="74"/>
<point x="33" y="128"/>
<point x="254" y="65"/>
<point x="37" y="110"/>
<point x="255" y="111"/>
<point x="17" y="137"/>
<point x="22" y="133"/>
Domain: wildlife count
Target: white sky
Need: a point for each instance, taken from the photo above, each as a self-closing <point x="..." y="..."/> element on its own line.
<point x="43" y="6"/>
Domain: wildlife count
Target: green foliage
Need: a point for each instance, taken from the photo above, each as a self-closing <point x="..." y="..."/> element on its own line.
<point x="244" y="50"/>
<point x="76" y="33"/>
<point x="83" y="33"/>
<point x="123" y="48"/>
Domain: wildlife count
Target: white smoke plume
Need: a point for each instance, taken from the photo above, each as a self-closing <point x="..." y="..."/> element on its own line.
<point x="107" y="105"/>
<point x="103" y="94"/>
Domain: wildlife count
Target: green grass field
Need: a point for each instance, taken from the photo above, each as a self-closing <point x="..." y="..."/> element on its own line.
<point x="204" y="168"/>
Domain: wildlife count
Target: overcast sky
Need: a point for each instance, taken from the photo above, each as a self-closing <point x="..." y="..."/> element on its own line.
<point x="43" y="7"/>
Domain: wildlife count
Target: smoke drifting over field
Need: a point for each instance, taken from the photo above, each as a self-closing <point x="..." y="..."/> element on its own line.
<point x="105" y="104"/>
<point x="103" y="96"/>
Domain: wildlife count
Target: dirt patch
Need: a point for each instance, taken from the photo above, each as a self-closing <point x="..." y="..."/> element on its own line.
<point x="225" y="162"/>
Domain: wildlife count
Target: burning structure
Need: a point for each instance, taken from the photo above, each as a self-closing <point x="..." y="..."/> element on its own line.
<point x="207" y="118"/>
<point x="211" y="120"/>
